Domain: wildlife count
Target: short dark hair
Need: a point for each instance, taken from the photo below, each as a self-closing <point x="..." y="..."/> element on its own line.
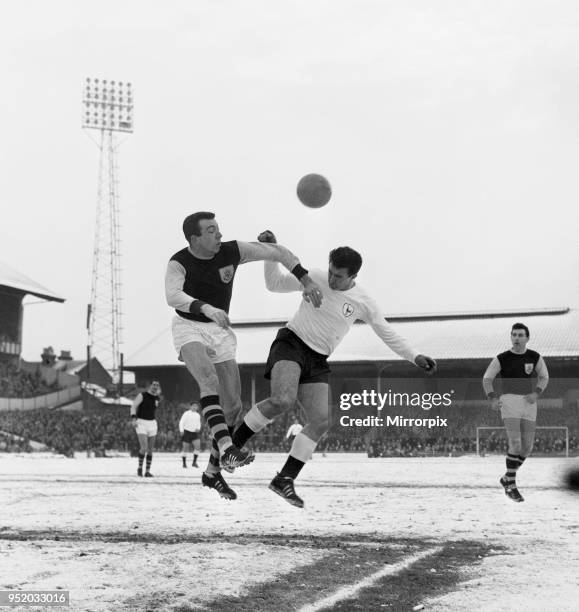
<point x="345" y="257"/>
<point x="521" y="326"/>
<point x="191" y="224"/>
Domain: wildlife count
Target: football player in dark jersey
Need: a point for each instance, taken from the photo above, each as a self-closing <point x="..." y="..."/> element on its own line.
<point x="143" y="418"/>
<point x="198" y="285"/>
<point x="524" y="377"/>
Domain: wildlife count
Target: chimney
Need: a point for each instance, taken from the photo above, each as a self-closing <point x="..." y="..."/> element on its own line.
<point x="48" y="357"/>
<point x="65" y="356"/>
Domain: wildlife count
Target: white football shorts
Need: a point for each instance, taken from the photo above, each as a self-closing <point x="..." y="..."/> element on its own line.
<point x="146" y="427"/>
<point x="221" y="342"/>
<point x="517" y="407"/>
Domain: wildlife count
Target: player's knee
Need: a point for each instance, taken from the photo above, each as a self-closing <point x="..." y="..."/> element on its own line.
<point x="320" y="424"/>
<point x="526" y="448"/>
<point x="232" y="408"/>
<point x="282" y="402"/>
<point x="515" y="446"/>
<point x="208" y="383"/>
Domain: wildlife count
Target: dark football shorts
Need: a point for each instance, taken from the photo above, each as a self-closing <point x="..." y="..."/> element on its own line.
<point x="189" y="436"/>
<point x="287" y="346"/>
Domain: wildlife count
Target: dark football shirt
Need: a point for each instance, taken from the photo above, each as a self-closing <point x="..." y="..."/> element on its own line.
<point x="518" y="371"/>
<point x="209" y="280"/>
<point x="146" y="409"/>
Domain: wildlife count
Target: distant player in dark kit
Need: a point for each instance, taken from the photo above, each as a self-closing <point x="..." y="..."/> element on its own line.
<point x="190" y="426"/>
<point x="143" y="418"/>
<point x="199" y="285"/>
<point x="297" y="364"/>
<point x="524" y="377"/>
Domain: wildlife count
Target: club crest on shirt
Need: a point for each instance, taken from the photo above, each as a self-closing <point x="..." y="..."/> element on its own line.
<point x="347" y="309"/>
<point x="226" y="273"/>
<point x="529" y="368"/>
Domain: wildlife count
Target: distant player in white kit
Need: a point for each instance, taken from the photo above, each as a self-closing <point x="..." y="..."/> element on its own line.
<point x="143" y="418"/>
<point x="189" y="427"/>
<point x="297" y="363"/>
<point x="293" y="430"/>
<point x="519" y="368"/>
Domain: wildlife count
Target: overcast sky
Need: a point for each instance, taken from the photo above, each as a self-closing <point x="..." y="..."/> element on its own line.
<point x="449" y="132"/>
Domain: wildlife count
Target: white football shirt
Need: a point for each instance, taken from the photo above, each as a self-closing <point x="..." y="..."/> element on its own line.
<point x="322" y="329"/>
<point x="190" y="421"/>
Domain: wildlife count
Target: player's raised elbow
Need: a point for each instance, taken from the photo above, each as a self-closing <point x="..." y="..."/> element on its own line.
<point x="271" y="276"/>
<point x="271" y="285"/>
<point x="173" y="303"/>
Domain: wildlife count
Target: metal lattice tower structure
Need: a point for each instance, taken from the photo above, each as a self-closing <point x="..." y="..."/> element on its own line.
<point x="108" y="109"/>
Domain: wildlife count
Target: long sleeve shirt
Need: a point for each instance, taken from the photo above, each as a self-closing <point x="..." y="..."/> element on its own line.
<point x="517" y="371"/>
<point x="189" y="278"/>
<point x="190" y="421"/>
<point x="323" y="328"/>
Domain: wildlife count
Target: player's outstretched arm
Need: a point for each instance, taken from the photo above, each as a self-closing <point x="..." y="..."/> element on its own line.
<point x="393" y="340"/>
<point x="278" y="282"/>
<point x="275" y="279"/>
<point x="426" y="363"/>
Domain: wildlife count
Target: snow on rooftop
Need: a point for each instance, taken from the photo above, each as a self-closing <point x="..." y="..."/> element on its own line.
<point x="554" y="333"/>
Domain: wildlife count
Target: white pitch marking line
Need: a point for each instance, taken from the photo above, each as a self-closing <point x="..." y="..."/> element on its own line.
<point x="348" y="592"/>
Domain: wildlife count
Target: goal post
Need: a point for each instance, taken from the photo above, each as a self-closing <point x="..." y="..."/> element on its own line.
<point x="500" y="428"/>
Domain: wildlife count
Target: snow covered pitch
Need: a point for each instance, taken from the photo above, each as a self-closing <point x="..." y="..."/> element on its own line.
<point x="375" y="534"/>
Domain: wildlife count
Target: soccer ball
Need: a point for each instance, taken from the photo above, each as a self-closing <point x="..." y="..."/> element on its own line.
<point x="314" y="191"/>
<point x="571" y="479"/>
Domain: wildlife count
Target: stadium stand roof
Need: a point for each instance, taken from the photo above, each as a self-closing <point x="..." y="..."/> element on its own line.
<point x="464" y="335"/>
<point x="10" y="277"/>
<point x="72" y="366"/>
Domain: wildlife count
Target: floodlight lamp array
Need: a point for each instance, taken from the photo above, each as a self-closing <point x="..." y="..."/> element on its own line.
<point x="107" y="105"/>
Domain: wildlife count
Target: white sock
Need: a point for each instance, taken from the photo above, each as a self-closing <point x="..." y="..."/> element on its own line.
<point x="303" y="447"/>
<point x="255" y="420"/>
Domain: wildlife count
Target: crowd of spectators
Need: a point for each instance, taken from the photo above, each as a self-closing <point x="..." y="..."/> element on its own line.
<point x="105" y="429"/>
<point x="69" y="431"/>
<point x="546" y="443"/>
<point x="18" y="383"/>
<point x="14" y="444"/>
<point x="406" y="446"/>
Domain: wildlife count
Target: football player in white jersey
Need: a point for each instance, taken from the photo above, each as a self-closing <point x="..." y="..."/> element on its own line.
<point x="190" y="428"/>
<point x="297" y="363"/>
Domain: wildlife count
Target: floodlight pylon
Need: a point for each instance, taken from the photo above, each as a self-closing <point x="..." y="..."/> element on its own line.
<point x="108" y="109"/>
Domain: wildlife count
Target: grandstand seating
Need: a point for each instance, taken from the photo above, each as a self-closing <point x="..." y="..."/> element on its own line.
<point x="103" y="429"/>
<point x="15" y="382"/>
